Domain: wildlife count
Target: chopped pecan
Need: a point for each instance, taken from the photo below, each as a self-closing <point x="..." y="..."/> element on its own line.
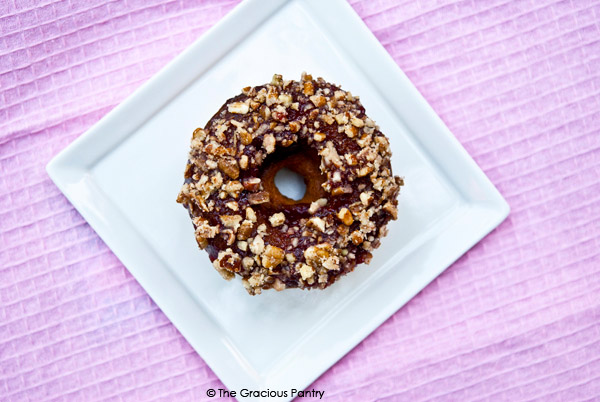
<point x="231" y="221"/>
<point x="319" y="136"/>
<point x="357" y="237"/>
<point x="251" y="183"/>
<point x="245" y="230"/>
<point x="247" y="262"/>
<point x="277" y="80"/>
<point x="295" y="126"/>
<point x="306" y="271"/>
<point x="257" y="246"/>
<point x="245" y="137"/>
<point x="366" y="197"/>
<point x="272" y="256"/>
<point x="230" y="167"/>
<point x="286" y="99"/>
<point x="341" y="118"/>
<point x="389" y="207"/>
<point x="233" y="188"/>
<point x="265" y="112"/>
<point x="244" y="162"/>
<point x="238" y="107"/>
<point x="203" y="229"/>
<point x="250" y="214"/>
<point x="317" y="223"/>
<point x="318" y="100"/>
<point x="341" y="190"/>
<point x="269" y="143"/>
<point x="258" y="198"/>
<point x="199" y="134"/>
<point x="277" y="219"/>
<point x="308" y="88"/>
<point x="345" y="216"/>
<point x="315" y="205"/>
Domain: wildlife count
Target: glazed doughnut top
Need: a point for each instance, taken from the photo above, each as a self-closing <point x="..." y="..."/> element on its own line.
<point x="248" y="227"/>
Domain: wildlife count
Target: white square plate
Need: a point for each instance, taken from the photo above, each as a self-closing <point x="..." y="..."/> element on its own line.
<point x="123" y="176"/>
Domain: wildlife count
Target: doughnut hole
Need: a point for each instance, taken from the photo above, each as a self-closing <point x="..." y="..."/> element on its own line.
<point x="290" y="184"/>
<point x="305" y="165"/>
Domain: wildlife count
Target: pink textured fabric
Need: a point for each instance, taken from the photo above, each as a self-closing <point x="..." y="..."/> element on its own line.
<point x="517" y="318"/>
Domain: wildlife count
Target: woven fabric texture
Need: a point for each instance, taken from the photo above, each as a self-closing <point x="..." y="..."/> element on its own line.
<point x="517" y="318"/>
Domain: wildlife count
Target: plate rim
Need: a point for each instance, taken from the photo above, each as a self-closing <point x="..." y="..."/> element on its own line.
<point x="69" y="170"/>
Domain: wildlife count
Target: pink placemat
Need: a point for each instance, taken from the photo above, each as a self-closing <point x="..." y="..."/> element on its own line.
<point x="517" y="318"/>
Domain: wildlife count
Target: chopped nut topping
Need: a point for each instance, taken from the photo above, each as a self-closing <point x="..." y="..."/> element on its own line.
<point x="345" y="216"/>
<point x="357" y="122"/>
<point x="389" y="207"/>
<point x="365" y="170"/>
<point x="277" y="80"/>
<point x="238" y="124"/>
<point x="265" y="112"/>
<point x="341" y="118"/>
<point x="330" y="155"/>
<point x="357" y="237"/>
<point x="232" y="205"/>
<point x="256" y="280"/>
<point x="366" y="198"/>
<point x="314" y="206"/>
<point x="257" y="246"/>
<point x="245" y="230"/>
<point x="331" y="264"/>
<point x="280" y="114"/>
<point x="351" y="159"/>
<point x="318" y="100"/>
<point x="233" y="188"/>
<point x="238" y="107"/>
<point x="250" y="214"/>
<point x="321" y="255"/>
<point x="295" y="126"/>
<point x="258" y="198"/>
<point x="277" y="219"/>
<point x="327" y="118"/>
<point x="308" y="88"/>
<point x="285" y="99"/>
<point x="245" y="137"/>
<point x="343" y="230"/>
<point x="251" y="183"/>
<point x="244" y="162"/>
<point x="272" y="257"/>
<point x="306" y="271"/>
<point x="278" y="285"/>
<point x="230" y="167"/>
<point x="203" y="229"/>
<point x="269" y="143"/>
<point x="199" y="134"/>
<point x="317" y="223"/>
<point x="247" y="262"/>
<point x="350" y="131"/>
<point x="341" y="190"/>
<point x="231" y="221"/>
<point x="318" y="136"/>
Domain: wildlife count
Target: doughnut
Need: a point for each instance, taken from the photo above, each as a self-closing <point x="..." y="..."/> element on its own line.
<point x="242" y="220"/>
